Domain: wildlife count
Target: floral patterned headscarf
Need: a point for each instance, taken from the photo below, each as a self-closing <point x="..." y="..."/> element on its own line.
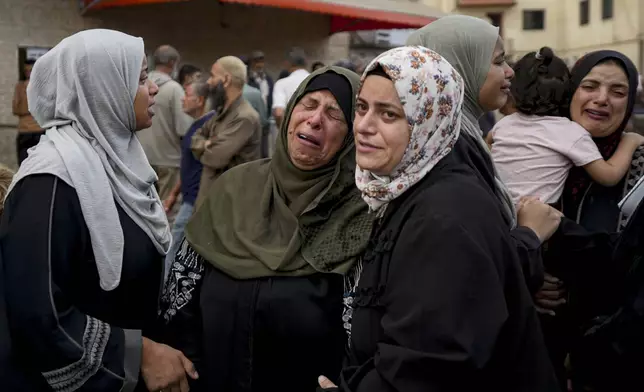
<point x="431" y="93"/>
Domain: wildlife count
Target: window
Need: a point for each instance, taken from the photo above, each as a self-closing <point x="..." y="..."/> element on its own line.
<point x="584" y="12"/>
<point x="28" y="53"/>
<point x="496" y="19"/>
<point x="607" y="9"/>
<point x="534" y="19"/>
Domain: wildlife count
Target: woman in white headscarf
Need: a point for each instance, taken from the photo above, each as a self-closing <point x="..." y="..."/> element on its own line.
<point x="83" y="233"/>
<point x="475" y="49"/>
<point x="440" y="303"/>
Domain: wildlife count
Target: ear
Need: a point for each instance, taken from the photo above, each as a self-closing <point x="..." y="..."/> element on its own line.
<point x="227" y="80"/>
<point x="202" y="101"/>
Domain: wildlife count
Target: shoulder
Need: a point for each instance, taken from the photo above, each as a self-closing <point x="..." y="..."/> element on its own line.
<point x="42" y="185"/>
<point x="247" y="113"/>
<point x="176" y="88"/>
<point x="456" y="197"/>
<point x="508" y="124"/>
<point x="41" y="195"/>
<point x="203" y="119"/>
<point x="280" y="84"/>
<point x="243" y="177"/>
<point x="252" y="91"/>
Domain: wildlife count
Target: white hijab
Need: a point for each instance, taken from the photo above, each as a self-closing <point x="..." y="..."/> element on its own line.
<point x="82" y="92"/>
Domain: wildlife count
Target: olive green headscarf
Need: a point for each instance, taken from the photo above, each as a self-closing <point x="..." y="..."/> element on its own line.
<point x="269" y="218"/>
<point x="468" y="44"/>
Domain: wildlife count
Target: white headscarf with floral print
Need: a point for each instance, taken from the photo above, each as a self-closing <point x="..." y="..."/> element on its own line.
<point x="431" y="93"/>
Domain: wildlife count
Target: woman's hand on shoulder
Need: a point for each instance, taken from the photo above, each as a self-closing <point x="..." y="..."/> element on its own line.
<point x="539" y="217"/>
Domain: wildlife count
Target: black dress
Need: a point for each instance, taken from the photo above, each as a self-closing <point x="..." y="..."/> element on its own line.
<point x="270" y="334"/>
<point x="67" y="333"/>
<point x="582" y="254"/>
<point x="442" y="302"/>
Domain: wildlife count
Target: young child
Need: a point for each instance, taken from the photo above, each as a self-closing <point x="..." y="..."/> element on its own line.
<point x="535" y="147"/>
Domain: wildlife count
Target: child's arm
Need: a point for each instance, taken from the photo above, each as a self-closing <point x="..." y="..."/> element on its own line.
<point x="611" y="172"/>
<point x="489" y="139"/>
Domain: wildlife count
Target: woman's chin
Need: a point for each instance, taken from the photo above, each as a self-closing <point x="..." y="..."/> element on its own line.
<point x="145" y="125"/>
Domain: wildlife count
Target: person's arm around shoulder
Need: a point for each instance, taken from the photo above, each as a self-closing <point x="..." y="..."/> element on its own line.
<point x="610" y="172"/>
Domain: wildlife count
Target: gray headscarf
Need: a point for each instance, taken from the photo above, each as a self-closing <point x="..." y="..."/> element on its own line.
<point x="82" y="92"/>
<point x="468" y="44"/>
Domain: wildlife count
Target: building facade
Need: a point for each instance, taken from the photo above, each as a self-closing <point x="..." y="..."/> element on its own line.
<point x="202" y="30"/>
<point x="570" y="27"/>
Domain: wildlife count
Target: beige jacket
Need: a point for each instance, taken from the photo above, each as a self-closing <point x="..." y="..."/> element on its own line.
<point x="234" y="138"/>
<point x="162" y="141"/>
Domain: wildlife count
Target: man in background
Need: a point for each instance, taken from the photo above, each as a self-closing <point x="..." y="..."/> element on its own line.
<point x="254" y="98"/>
<point x="257" y="100"/>
<point x="194" y="105"/>
<point x="162" y="141"/>
<point x="258" y="78"/>
<point x="285" y="88"/>
<point x="232" y="137"/>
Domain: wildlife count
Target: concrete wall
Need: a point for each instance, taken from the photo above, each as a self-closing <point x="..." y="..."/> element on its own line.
<point x="202" y="30"/>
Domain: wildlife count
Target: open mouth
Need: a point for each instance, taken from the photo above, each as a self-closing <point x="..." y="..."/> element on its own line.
<point x="309" y="140"/>
<point x="597" y="114"/>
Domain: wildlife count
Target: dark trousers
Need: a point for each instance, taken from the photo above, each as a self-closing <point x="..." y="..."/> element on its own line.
<point x="24" y="142"/>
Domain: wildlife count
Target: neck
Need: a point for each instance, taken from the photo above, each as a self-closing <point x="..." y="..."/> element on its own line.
<point x="231" y="96"/>
<point x="198" y="113"/>
<point x="164" y="69"/>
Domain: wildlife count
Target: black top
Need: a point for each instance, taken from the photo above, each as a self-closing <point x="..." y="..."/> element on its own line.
<point x="63" y="325"/>
<point x="269" y="334"/>
<point x="442" y="303"/>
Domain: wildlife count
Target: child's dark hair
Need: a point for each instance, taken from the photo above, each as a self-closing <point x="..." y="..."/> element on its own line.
<point x="541" y="84"/>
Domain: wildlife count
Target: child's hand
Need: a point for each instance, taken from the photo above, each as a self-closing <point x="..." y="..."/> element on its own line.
<point x="632" y="138"/>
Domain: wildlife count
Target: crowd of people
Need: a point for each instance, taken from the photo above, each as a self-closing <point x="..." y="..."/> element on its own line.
<point x="156" y="237"/>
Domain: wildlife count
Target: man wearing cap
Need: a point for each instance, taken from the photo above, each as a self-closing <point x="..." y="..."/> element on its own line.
<point x="258" y="78"/>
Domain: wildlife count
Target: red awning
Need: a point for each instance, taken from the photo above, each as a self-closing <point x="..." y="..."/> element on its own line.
<point x="486" y="3"/>
<point x="100" y="4"/>
<point x="346" y="15"/>
<point x="355" y="15"/>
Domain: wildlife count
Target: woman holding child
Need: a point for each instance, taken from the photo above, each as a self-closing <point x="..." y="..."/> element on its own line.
<point x="605" y="84"/>
<point x="586" y="165"/>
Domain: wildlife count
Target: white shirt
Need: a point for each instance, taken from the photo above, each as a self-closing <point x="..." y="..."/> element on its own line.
<point x="285" y="88"/>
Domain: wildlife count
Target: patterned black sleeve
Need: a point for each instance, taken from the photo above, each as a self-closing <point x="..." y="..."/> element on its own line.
<point x="180" y="311"/>
<point x="71" y="350"/>
<point x="184" y="278"/>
